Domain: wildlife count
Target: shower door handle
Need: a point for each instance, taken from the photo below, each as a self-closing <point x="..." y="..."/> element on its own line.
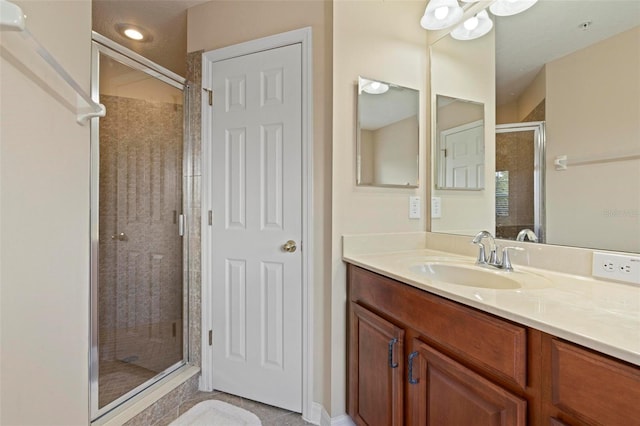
<point x="181" y="225"/>
<point x="120" y="237"/>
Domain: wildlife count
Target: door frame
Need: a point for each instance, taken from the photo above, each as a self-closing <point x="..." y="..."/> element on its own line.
<point x="303" y="37"/>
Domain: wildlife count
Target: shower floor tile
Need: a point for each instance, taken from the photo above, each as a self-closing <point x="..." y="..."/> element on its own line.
<point x="117" y="378"/>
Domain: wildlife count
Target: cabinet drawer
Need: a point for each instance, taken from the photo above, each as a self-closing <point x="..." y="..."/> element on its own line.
<point x="594" y="387"/>
<point x="493" y="344"/>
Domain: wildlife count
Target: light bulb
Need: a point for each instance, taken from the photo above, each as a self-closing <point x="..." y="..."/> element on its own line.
<point x="474" y="27"/>
<point x="471" y="23"/>
<point x="133" y="34"/>
<point x="441" y="12"/>
<point x="375" y="85"/>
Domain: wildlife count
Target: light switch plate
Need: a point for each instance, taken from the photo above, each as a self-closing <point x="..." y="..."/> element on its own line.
<point x="436" y="207"/>
<point x="617" y="267"/>
<point x="414" y="207"/>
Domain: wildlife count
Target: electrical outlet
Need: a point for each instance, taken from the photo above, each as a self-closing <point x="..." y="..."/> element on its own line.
<point x="617" y="267"/>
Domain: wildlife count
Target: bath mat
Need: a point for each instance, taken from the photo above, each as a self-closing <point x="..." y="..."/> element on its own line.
<point x="216" y="413"/>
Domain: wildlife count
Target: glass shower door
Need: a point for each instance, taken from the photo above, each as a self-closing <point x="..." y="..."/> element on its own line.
<point x="520" y="179"/>
<point x="138" y="302"/>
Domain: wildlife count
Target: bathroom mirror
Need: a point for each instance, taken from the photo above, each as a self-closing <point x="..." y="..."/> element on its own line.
<point x="387" y="134"/>
<point x="459" y="144"/>
<point x="573" y="66"/>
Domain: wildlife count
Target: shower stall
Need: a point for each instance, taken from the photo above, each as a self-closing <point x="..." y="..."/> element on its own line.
<point x="139" y="314"/>
<point x="520" y="168"/>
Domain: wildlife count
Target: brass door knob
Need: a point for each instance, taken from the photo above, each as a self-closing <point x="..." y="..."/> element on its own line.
<point x="289" y="246"/>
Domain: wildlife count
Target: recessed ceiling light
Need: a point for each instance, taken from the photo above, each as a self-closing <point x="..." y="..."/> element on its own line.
<point x="133" y="32"/>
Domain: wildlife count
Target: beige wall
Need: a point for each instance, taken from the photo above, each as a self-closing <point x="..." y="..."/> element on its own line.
<point x="533" y="95"/>
<point x="44" y="214"/>
<point x="598" y="203"/>
<point x="395" y="150"/>
<point x="117" y="79"/>
<point x="224" y="23"/>
<point x="451" y="62"/>
<point x="382" y="40"/>
<point x="458" y="113"/>
<point x="516" y="111"/>
<point x="367" y="154"/>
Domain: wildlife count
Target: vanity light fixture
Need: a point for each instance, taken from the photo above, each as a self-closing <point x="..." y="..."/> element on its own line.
<point x="510" y="7"/>
<point x="373" y="87"/>
<point x="474" y="27"/>
<point x="441" y="14"/>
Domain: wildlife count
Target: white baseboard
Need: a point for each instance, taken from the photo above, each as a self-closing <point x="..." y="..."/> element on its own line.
<point x="315" y="413"/>
<point x="341" y="420"/>
<point x="320" y="416"/>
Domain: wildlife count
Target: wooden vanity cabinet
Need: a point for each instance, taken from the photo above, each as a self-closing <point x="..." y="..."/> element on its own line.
<point x="418" y="359"/>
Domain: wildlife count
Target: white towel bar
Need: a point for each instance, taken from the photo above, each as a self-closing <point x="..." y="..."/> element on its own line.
<point x="12" y="19"/>
<point x="561" y="162"/>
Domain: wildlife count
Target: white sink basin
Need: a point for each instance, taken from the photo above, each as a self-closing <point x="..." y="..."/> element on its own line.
<point x="468" y="275"/>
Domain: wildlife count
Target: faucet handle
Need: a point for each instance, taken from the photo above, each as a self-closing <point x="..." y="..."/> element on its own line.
<point x="506" y="260"/>
<point x="493" y="255"/>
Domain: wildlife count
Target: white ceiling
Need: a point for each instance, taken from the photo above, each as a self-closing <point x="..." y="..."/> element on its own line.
<point x="550" y="30"/>
<point x="166" y="20"/>
<point x="524" y="43"/>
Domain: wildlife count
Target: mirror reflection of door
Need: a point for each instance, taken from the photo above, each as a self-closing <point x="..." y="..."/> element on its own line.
<point x="460" y="152"/>
<point x="140" y="278"/>
<point x="519" y="188"/>
<point x="462" y="149"/>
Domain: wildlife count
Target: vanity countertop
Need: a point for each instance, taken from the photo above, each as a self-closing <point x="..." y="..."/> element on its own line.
<point x="597" y="314"/>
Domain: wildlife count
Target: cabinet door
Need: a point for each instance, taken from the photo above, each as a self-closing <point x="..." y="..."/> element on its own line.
<point x="593" y="388"/>
<point x="375" y="369"/>
<point x="447" y="393"/>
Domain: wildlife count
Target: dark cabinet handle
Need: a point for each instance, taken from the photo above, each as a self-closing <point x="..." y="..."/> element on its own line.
<point x="412" y="381"/>
<point x="391" y="343"/>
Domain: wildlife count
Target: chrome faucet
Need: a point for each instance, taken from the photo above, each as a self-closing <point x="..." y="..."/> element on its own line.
<point x="492" y="260"/>
<point x="528" y="234"/>
<point x="483" y="259"/>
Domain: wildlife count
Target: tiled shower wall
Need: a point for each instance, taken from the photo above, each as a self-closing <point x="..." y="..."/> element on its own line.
<point x="140" y="193"/>
<point x="193" y="178"/>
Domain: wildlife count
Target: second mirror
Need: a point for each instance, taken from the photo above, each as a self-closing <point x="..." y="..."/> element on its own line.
<point x="387" y="134"/>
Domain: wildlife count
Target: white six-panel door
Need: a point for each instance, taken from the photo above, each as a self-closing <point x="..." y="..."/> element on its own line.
<point x="256" y="199"/>
<point x="464" y="158"/>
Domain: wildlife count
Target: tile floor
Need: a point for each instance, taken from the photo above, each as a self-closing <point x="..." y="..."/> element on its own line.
<point x="268" y="415"/>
